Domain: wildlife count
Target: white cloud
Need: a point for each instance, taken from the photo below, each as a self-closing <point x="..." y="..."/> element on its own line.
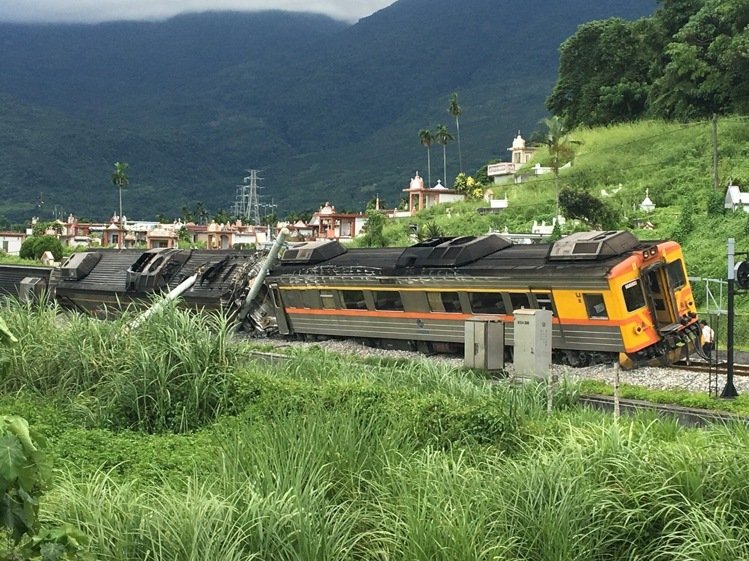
<point x="106" y="10"/>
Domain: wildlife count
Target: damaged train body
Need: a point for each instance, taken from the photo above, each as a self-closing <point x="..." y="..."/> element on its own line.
<point x="612" y="297"/>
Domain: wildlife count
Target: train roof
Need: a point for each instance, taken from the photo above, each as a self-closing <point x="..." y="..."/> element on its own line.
<point x="593" y="253"/>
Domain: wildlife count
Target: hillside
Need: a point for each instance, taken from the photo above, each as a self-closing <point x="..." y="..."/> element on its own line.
<point x="325" y="109"/>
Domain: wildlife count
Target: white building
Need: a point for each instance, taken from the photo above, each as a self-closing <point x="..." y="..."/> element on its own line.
<point x="735" y="199"/>
<point x="647" y="205"/>
<point x="521" y="154"/>
<point x="10" y="242"/>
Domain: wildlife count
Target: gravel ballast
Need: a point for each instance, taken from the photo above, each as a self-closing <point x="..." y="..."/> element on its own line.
<point x="651" y="377"/>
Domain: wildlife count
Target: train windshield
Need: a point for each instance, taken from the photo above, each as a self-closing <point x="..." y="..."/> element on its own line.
<point x="633" y="295"/>
<point x="676" y="277"/>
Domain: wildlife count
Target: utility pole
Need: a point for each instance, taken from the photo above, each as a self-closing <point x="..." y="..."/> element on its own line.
<point x="729" y="391"/>
<point x="268" y="210"/>
<point x="715" y="150"/>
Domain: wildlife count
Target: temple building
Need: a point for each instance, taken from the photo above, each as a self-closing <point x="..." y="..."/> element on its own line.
<point x="420" y="197"/>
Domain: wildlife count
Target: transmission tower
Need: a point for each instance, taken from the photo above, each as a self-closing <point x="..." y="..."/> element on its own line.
<point x="247" y="201"/>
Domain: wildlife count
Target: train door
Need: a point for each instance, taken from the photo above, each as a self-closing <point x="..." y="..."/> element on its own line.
<point x="661" y="297"/>
<point x="275" y="294"/>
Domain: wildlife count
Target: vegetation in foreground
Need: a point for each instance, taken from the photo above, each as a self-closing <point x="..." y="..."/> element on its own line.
<point x="324" y="458"/>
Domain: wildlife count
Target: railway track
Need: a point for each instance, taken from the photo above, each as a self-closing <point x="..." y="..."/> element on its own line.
<point x="687" y="416"/>
<point x="720" y="368"/>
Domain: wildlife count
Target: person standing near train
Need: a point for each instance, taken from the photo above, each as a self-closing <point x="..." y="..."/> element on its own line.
<point x="708" y="339"/>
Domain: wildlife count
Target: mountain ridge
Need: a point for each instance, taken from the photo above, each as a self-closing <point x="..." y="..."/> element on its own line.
<point x="329" y="110"/>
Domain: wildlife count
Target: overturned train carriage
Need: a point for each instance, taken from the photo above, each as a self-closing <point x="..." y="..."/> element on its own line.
<point x="611" y="296"/>
<point x="104" y="281"/>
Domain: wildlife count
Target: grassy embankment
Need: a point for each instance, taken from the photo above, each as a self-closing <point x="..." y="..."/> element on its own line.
<point x="172" y="443"/>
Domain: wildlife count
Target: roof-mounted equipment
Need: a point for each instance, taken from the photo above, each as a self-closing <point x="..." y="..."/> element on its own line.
<point x="589" y="246"/>
<point x="312" y="253"/>
<point x="451" y="252"/>
<point x="78" y="265"/>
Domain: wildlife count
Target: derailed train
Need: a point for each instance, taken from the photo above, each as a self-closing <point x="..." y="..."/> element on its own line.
<point x="612" y="297"/>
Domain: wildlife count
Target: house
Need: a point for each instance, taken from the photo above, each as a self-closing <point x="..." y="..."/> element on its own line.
<point x="10" y="242"/>
<point x="735" y="199"/>
<point x="420" y="197"/>
<point x="327" y="223"/>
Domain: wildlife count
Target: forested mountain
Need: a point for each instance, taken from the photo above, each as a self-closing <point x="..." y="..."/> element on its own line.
<point x="325" y="109"/>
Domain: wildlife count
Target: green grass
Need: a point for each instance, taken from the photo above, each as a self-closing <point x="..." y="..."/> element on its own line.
<point x="330" y="457"/>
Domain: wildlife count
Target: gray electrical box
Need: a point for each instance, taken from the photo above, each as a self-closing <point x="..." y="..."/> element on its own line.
<point x="484" y="343"/>
<point x="533" y="332"/>
<point x="31" y="288"/>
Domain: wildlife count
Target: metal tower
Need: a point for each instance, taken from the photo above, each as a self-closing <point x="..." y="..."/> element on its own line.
<point x="247" y="202"/>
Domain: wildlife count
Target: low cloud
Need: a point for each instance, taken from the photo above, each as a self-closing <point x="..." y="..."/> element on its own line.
<point x="94" y="11"/>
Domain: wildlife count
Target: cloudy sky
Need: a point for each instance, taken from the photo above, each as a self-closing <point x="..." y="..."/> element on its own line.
<point x="106" y="10"/>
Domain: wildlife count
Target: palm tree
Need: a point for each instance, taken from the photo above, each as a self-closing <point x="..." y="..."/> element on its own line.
<point x="558" y="141"/>
<point x="426" y="138"/>
<point x="120" y="180"/>
<point x="443" y="136"/>
<point x="456" y="111"/>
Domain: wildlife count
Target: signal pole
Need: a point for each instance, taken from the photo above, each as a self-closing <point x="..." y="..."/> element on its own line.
<point x="729" y="391"/>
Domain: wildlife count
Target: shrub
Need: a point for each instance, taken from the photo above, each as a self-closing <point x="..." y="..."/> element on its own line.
<point x="35" y="246"/>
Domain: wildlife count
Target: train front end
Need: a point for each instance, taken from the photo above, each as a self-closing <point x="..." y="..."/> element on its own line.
<point x="658" y="312"/>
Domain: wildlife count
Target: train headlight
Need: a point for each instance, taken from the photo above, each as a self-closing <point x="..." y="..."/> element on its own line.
<point x="645" y="254"/>
<point x="653" y="251"/>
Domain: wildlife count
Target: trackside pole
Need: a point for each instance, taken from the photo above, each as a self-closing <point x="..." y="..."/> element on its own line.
<point x="181" y="288"/>
<point x="729" y="391"/>
<point x="257" y="282"/>
<point x="617" y="375"/>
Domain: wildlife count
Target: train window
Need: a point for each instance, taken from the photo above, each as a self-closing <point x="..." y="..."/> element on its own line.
<point x="388" y="300"/>
<point x="519" y="300"/>
<point x="354" y="300"/>
<point x="595" y="306"/>
<point x="543" y="300"/>
<point x="676" y="274"/>
<point x="311" y="299"/>
<point x="487" y="303"/>
<point x="653" y="283"/>
<point x="444" y="302"/>
<point x="328" y="300"/>
<point x="292" y="298"/>
<point x="633" y="295"/>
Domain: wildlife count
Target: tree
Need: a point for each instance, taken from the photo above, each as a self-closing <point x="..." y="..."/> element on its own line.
<point x="222" y="217"/>
<point x="560" y="149"/>
<point x="426" y="138"/>
<point x="34" y="247"/>
<point x="456" y="111"/>
<point x="443" y="136"/>
<point x="373" y="236"/>
<point x="120" y="180"/>
<point x="581" y="205"/>
<point x="706" y="64"/>
<point x="201" y="213"/>
<point x="603" y="73"/>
